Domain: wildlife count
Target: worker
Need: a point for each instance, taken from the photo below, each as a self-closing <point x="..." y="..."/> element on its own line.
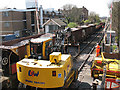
<point x="97" y="50"/>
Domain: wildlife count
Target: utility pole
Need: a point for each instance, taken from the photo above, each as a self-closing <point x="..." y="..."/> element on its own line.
<point x="110" y="28"/>
<point x="36" y="6"/>
<point x="41" y="16"/>
<point x="119" y="26"/>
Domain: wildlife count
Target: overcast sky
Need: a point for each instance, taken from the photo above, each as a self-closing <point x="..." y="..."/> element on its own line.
<point x="98" y="6"/>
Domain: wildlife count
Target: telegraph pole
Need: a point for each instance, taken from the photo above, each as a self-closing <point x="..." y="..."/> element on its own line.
<point x="110" y="28"/>
<point x="36" y="6"/>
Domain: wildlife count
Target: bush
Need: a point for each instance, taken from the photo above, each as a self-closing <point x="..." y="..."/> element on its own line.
<point x="86" y="22"/>
<point x="72" y="25"/>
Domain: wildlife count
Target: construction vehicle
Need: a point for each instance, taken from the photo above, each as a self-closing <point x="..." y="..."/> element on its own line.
<point x="108" y="77"/>
<point x="47" y="67"/>
<point x="53" y="73"/>
<point x="41" y="71"/>
<point x="106" y="58"/>
<point x="19" y="49"/>
<point x="106" y="67"/>
<point x="112" y="63"/>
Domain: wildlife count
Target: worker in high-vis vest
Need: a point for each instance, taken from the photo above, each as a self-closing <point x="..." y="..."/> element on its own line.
<point x="97" y="50"/>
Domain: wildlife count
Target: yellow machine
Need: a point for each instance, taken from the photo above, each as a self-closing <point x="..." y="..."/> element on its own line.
<point x="112" y="63"/>
<point x="53" y="73"/>
<point x="40" y="48"/>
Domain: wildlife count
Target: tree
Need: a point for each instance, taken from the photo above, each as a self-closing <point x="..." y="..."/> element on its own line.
<point x="72" y="13"/>
<point x="67" y="11"/>
<point x="86" y="21"/>
<point x="93" y="17"/>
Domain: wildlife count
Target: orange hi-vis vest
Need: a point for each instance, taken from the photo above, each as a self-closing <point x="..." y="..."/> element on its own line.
<point x="97" y="50"/>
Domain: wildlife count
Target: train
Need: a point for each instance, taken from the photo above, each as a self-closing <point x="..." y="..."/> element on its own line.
<point x="81" y="33"/>
<point x="16" y="50"/>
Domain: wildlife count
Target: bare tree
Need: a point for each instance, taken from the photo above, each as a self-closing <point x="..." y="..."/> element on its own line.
<point x="73" y="14"/>
<point x="67" y="11"/>
<point x="93" y="17"/>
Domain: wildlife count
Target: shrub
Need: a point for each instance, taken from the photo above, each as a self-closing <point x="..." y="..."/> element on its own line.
<point x="72" y="25"/>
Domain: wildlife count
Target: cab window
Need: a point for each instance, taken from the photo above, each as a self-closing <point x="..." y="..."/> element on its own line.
<point x="36" y="49"/>
<point x="48" y="48"/>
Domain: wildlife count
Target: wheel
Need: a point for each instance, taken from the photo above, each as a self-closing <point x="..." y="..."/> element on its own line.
<point x="5" y="58"/>
<point x="76" y="75"/>
<point x="5" y="65"/>
<point x="21" y="85"/>
<point x="4" y="61"/>
<point x="6" y="84"/>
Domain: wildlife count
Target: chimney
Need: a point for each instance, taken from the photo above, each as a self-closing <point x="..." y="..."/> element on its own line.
<point x="30" y="4"/>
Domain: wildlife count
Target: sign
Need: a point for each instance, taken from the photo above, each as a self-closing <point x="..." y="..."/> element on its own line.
<point x="59" y="75"/>
<point x="32" y="73"/>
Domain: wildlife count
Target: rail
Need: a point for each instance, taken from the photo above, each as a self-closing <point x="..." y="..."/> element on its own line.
<point x="83" y="63"/>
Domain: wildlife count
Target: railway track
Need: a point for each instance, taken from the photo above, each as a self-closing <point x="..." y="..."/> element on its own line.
<point x="85" y="53"/>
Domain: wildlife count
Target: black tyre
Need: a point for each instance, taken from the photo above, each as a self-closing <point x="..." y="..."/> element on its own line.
<point x="75" y="75"/>
<point x="21" y="85"/>
<point x="5" y="61"/>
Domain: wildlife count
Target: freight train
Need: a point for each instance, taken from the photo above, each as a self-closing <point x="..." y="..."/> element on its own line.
<point x="81" y="33"/>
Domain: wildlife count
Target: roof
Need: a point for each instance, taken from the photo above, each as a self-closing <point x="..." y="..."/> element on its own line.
<point x="39" y="40"/>
<point x="43" y="38"/>
<point x="56" y="21"/>
<point x="43" y="63"/>
<point x="19" y="10"/>
<point x="19" y="44"/>
<point x="116" y="0"/>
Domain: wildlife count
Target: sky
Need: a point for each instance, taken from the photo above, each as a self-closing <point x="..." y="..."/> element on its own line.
<point x="98" y="6"/>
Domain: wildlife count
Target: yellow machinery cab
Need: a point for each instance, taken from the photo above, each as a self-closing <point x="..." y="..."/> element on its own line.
<point x="40" y="48"/>
<point x="51" y="73"/>
<point x="112" y="63"/>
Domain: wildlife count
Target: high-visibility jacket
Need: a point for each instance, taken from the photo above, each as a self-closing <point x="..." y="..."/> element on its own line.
<point x="97" y="50"/>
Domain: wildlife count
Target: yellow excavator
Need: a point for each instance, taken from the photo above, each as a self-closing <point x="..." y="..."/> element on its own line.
<point x="40" y="71"/>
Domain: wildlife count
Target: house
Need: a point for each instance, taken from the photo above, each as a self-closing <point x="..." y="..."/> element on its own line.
<point x="53" y="24"/>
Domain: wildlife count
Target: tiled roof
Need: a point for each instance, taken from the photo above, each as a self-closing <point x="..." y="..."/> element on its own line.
<point x="60" y="22"/>
<point x="56" y="21"/>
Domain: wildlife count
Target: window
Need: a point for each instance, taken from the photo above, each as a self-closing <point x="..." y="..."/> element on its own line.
<point x="5" y="14"/>
<point x="32" y="17"/>
<point x="24" y="15"/>
<point x="6" y="24"/>
<point x="48" y="48"/>
<point x="33" y="28"/>
<point x="36" y="49"/>
<point x="25" y="25"/>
